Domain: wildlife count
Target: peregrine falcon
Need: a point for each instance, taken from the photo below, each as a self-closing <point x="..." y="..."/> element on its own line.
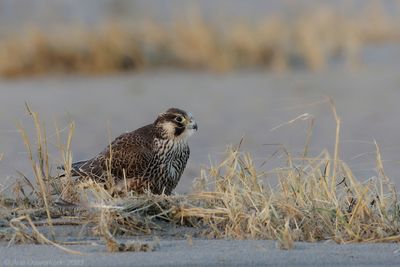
<point x="150" y="158"/>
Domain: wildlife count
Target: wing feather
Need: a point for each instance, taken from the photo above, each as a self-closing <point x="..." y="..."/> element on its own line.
<point x="130" y="153"/>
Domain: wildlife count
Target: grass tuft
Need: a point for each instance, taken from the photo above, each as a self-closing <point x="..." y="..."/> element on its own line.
<point x="314" y="198"/>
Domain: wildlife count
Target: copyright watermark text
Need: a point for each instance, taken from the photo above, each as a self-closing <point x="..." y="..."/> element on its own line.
<point x="46" y="262"/>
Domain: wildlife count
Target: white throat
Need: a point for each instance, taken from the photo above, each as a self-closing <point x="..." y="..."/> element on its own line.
<point x="169" y="129"/>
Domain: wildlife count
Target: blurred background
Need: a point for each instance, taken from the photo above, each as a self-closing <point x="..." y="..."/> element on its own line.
<point x="262" y="70"/>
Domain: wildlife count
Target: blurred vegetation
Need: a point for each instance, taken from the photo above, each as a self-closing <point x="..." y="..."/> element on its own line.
<point x="310" y="39"/>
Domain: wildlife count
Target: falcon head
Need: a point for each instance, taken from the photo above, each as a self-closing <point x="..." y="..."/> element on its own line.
<point x="176" y="124"/>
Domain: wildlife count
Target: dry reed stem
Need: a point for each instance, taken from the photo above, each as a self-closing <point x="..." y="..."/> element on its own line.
<point x="41" y="169"/>
<point x="337" y="141"/>
<point x="22" y="230"/>
<point x="66" y="193"/>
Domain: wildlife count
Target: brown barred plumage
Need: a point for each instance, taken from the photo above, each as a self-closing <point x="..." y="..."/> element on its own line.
<point x="152" y="157"/>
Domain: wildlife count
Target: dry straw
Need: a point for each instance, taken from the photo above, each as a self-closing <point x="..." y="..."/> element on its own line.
<point x="315" y="198"/>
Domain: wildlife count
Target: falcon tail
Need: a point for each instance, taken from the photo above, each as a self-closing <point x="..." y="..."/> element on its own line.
<point x="75" y="168"/>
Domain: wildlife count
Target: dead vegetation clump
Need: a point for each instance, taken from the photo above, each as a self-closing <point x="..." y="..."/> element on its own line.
<point x="310" y="39"/>
<point x="313" y="198"/>
<point x="236" y="202"/>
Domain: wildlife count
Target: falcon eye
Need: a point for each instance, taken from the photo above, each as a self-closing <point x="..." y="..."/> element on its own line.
<point x="179" y="119"/>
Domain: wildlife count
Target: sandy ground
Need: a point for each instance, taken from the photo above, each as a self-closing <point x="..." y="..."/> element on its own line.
<point x="176" y="249"/>
<point x="209" y="253"/>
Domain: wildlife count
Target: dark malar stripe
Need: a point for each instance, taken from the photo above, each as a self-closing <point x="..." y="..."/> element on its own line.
<point x="179" y="130"/>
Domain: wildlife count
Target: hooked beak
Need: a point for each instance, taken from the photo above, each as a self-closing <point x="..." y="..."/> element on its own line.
<point x="192" y="124"/>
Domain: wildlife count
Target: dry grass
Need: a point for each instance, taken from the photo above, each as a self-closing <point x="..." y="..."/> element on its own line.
<point x="309" y="39"/>
<point x="315" y="198"/>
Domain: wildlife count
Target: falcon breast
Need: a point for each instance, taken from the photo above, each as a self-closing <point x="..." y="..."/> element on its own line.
<point x="150" y="158"/>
